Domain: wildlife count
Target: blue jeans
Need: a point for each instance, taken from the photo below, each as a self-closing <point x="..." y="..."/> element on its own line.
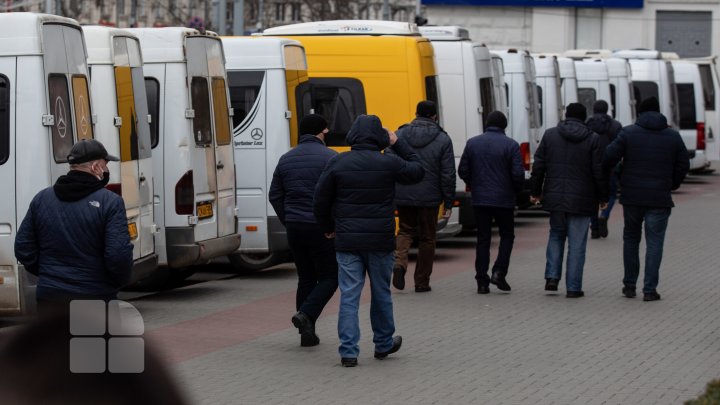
<point x="656" y="220"/>
<point x="573" y="228"/>
<point x="379" y="267"/>
<point x="611" y="202"/>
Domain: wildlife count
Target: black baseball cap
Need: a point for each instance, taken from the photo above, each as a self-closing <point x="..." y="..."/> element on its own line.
<point x="88" y="150"/>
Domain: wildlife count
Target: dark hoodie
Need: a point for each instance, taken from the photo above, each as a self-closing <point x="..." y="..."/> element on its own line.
<point x="605" y="126"/>
<point x="435" y="149"/>
<point x="567" y="172"/>
<point x="355" y="193"/>
<point x="655" y="161"/>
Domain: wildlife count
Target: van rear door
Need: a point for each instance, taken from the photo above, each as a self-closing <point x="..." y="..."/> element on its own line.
<point x="9" y="289"/>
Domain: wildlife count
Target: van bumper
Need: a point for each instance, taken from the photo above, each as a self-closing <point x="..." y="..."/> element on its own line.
<point x="182" y="250"/>
<point x="144" y="267"/>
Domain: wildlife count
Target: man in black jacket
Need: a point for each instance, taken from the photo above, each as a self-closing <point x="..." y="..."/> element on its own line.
<point x="491" y="165"/>
<point x="655" y="161"/>
<point x="568" y="176"/>
<point x="354" y="204"/>
<point x="417" y="204"/>
<point x="291" y="195"/>
<point x="608" y="128"/>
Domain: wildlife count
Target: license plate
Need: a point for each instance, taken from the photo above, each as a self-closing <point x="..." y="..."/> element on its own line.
<point x="204" y="210"/>
<point x="132" y="230"/>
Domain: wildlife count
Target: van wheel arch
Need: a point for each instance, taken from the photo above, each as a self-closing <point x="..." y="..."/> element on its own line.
<point x="245" y="263"/>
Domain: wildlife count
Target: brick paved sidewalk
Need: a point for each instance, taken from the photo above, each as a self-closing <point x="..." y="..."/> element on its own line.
<point x="231" y="341"/>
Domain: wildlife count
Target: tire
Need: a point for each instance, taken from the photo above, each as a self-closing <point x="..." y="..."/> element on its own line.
<point x="246" y="263"/>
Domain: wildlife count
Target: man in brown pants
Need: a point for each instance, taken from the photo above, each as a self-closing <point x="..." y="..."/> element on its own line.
<point x="418" y="204"/>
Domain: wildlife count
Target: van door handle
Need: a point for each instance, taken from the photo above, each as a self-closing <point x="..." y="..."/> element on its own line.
<point x="142" y="179"/>
<point x="220" y="165"/>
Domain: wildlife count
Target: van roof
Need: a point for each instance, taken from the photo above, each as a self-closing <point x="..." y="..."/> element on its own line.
<point x="346" y="27"/>
<point x="165" y="44"/>
<point x="544" y="65"/>
<point x="445" y="33"/>
<point x="637" y="54"/>
<point x="98" y="39"/>
<point x="686" y="72"/>
<point x="617" y="67"/>
<point x="588" y="53"/>
<point x="256" y="52"/>
<point x="20" y="33"/>
<point x="513" y="59"/>
<point x="588" y="69"/>
<point x="567" y="67"/>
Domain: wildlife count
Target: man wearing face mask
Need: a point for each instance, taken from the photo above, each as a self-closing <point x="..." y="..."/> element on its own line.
<point x="75" y="236"/>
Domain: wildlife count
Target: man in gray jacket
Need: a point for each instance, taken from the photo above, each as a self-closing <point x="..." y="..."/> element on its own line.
<point x="418" y="204"/>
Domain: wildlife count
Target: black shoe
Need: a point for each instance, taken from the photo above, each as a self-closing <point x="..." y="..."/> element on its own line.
<point x="397" y="342"/>
<point x="500" y="282"/>
<point x="348" y="361"/>
<point x="574" y="294"/>
<point x="602" y="227"/>
<point x="398" y="279"/>
<point x="653" y="296"/>
<point x="551" y="284"/>
<point x="306" y="327"/>
<point x="423" y="289"/>
<point x="629" y="292"/>
<point x="483" y="289"/>
<point x="594" y="234"/>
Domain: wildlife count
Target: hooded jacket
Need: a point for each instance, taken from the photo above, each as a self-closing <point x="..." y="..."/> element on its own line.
<point x="605" y="126"/>
<point x="295" y="177"/>
<point x="491" y="165"/>
<point x="568" y="171"/>
<point x="355" y="193"/>
<point x="435" y="150"/>
<point x="655" y="161"/>
<point x="75" y="238"/>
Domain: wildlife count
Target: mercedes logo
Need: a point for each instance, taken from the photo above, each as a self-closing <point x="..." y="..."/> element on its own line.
<point x="60" y="114"/>
<point x="256" y="133"/>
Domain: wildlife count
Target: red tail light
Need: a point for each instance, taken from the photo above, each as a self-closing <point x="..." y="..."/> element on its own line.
<point x="700" y="136"/>
<point x="185" y="195"/>
<point x="115" y="188"/>
<point x="525" y="153"/>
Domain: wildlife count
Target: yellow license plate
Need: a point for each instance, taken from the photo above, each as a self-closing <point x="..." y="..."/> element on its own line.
<point x="204" y="210"/>
<point x="132" y="230"/>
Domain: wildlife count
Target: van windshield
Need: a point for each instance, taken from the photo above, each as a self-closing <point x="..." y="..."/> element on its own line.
<point x="244" y="93"/>
<point x="431" y="91"/>
<point x="686" y="98"/>
<point x="587" y="97"/>
<point x="487" y="101"/>
<point x="706" y="75"/>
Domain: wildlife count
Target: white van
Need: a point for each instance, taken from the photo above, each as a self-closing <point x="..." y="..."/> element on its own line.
<point x="711" y="98"/>
<point x="568" y="80"/>
<point x="692" y="113"/>
<point x="547" y="77"/>
<point x="192" y="149"/>
<point x="263" y="73"/>
<point x="593" y="83"/>
<point x="465" y="83"/>
<point x="622" y="95"/>
<point x="44" y="109"/>
<point x="500" y="89"/>
<point x="120" y="104"/>
<point x="523" y="111"/>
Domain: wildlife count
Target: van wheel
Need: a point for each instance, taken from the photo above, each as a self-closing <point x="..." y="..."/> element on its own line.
<point x="246" y="263"/>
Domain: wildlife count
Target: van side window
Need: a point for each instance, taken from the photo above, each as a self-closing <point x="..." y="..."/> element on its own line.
<point x="81" y="104"/>
<point x="220" y="110"/>
<point x="4" y="119"/>
<point x="612" y="99"/>
<point x="708" y="89"/>
<point x="686" y="96"/>
<point x="244" y="93"/>
<point x="507" y="94"/>
<point x="152" y="88"/>
<point x="540" y="104"/>
<point x="587" y="97"/>
<point x="144" y="142"/>
<point x="200" y="96"/>
<point x="339" y="100"/>
<point x="431" y="91"/>
<point x="486" y="98"/>
<point x="644" y="90"/>
<point x="62" y="128"/>
<point x="126" y="111"/>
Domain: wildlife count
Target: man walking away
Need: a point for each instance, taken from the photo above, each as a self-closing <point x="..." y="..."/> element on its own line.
<point x="608" y="128"/>
<point x="75" y="234"/>
<point x="655" y="161"/>
<point x="417" y="204"/>
<point x="354" y="204"/>
<point x="568" y="176"/>
<point x="491" y="165"/>
<point x="291" y="195"/>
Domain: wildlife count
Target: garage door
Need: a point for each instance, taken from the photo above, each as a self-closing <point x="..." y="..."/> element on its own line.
<point x="686" y="32"/>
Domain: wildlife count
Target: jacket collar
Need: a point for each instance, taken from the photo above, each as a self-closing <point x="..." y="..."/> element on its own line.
<point x="307" y="138"/>
<point x="495" y="129"/>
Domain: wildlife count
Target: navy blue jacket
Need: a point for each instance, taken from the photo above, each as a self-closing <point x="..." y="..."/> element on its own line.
<point x="295" y="177"/>
<point x="354" y="196"/>
<point x="491" y="165"/>
<point x="77" y="247"/>
<point x="568" y="171"/>
<point x="654" y="161"/>
<point x="434" y="147"/>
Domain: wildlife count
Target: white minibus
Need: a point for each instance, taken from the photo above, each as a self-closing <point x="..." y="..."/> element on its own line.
<point x="593" y="83"/>
<point x="568" y="80"/>
<point x="622" y="96"/>
<point x="692" y="112"/>
<point x="500" y="90"/>
<point x="547" y="77"/>
<point x="711" y="99"/>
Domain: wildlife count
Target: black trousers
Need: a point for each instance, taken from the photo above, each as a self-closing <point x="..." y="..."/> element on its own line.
<point x="317" y="268"/>
<point x="505" y="220"/>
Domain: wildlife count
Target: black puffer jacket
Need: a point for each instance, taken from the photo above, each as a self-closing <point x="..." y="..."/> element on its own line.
<point x="567" y="172"/>
<point x="354" y="196"/>
<point x="655" y="161"/>
<point x="605" y="126"/>
<point x="293" y="184"/>
<point x="434" y="147"/>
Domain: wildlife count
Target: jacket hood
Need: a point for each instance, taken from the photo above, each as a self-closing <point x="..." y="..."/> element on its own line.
<point x="652" y="120"/>
<point x="425" y="131"/>
<point x="367" y="130"/>
<point x="573" y="130"/>
<point x="76" y="185"/>
<point x="599" y="123"/>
